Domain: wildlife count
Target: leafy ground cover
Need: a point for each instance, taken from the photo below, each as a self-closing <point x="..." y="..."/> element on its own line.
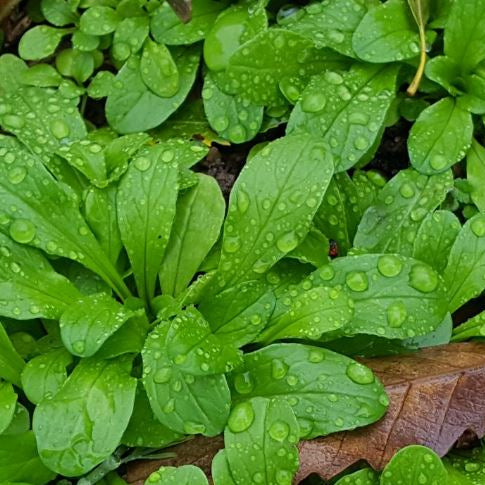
<point x="143" y="303"/>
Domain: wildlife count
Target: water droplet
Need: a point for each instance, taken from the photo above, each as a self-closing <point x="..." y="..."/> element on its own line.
<point x="384" y="399"/>
<point x="438" y="162"/>
<point x="278" y="369"/>
<point x="423" y="278"/>
<point x="406" y="190"/>
<point x="243" y="383"/>
<point x="326" y="272"/>
<point x="17" y="175"/>
<point x="478" y="226"/>
<point x="163" y="375"/>
<point x="279" y="431"/>
<point x="313" y="102"/>
<point x="232" y="244"/>
<point x="389" y="265"/>
<point x="359" y="373"/>
<point x="193" y="428"/>
<point x="142" y="163"/>
<point x="59" y="129"/>
<point x="361" y="143"/>
<point x="22" y="231"/>
<point x="357" y="281"/>
<point x="316" y="356"/>
<point x="287" y="242"/>
<point x="241" y="418"/>
<point x="242" y="201"/>
<point x="78" y="346"/>
<point x="221" y="123"/>
<point x="13" y="121"/>
<point x="333" y="77"/>
<point x="396" y="314"/>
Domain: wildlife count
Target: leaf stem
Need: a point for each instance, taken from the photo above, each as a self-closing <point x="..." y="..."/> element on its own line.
<point x="414" y="86"/>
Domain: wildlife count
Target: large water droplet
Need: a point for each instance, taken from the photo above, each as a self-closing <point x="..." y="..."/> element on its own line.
<point x="59" y="129"/>
<point x="163" y="375"/>
<point x="357" y="281"/>
<point x="193" y="428"/>
<point x="278" y="369"/>
<point x="313" y="102"/>
<point x="279" y="430"/>
<point x="243" y="383"/>
<point x="438" y="162"/>
<point x="423" y="278"/>
<point x="241" y="418"/>
<point x="478" y="226"/>
<point x="17" y="175"/>
<point x="389" y="265"/>
<point x="396" y="314"/>
<point x="142" y="163"/>
<point x="22" y="231"/>
<point x="359" y="373"/>
<point x="287" y="242"/>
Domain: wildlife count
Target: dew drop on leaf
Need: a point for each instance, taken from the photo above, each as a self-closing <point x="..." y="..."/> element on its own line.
<point x="396" y="314"/>
<point x="22" y="231"/>
<point x="241" y="417"/>
<point x="423" y="278"/>
<point x="359" y="373"/>
<point x="478" y="226"/>
<point x="279" y="431"/>
<point x="357" y="281"/>
<point x="389" y="265"/>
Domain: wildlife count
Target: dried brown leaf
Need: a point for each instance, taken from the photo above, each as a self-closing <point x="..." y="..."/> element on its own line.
<point x="183" y="9"/>
<point x="436" y="395"/>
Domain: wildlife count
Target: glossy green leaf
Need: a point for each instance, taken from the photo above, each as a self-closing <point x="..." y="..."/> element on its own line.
<point x="158" y="69"/>
<point x="129" y="36"/>
<point x="95" y="403"/>
<point x="282" y="202"/>
<point x="348" y="109"/>
<point x="331" y="24"/>
<point x="144" y="429"/>
<point x="342" y="208"/>
<point x="466" y="467"/>
<point x="327" y="391"/>
<point x="8" y="401"/>
<point x="367" y="476"/>
<point x="196" y="228"/>
<point x="238" y="315"/>
<point x="262" y="428"/>
<point x="272" y="59"/>
<point x="89" y="322"/>
<point x="11" y="70"/>
<point x="101" y="216"/>
<point x="99" y="20"/>
<point x="20" y="462"/>
<point x="45" y="374"/>
<point x="46" y="214"/>
<point x="415" y="464"/>
<point x="84" y="42"/>
<point x="435" y="237"/>
<point x="184" y="403"/>
<point x="167" y="28"/>
<point x="11" y="363"/>
<point x="101" y="85"/>
<point x="440" y="137"/>
<point x="58" y="12"/>
<point x="313" y="249"/>
<point x="30" y="288"/>
<point x="464" y="272"/>
<point x="387" y="33"/>
<point x="234" y="118"/>
<point x="40" y="42"/>
<point x="146" y="208"/>
<point x="391" y="223"/>
<point x="473" y="327"/>
<point x="41" y="75"/>
<point x="183" y="475"/>
<point x="464" y="37"/>
<point x="233" y="27"/>
<point x="309" y="314"/>
<point x="394" y="296"/>
<point x="475" y="169"/>
<point x="132" y="107"/>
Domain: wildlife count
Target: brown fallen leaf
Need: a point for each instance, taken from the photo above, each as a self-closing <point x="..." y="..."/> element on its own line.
<point x="436" y="395"/>
<point x="183" y="9"/>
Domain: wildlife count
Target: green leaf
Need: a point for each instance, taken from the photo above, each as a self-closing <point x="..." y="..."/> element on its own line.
<point x="144" y="429"/>
<point x="313" y="249"/>
<point x="466" y="467"/>
<point x="466" y="262"/>
<point x="8" y="401"/>
<point x="415" y="464"/>
<point x="11" y="364"/>
<point x="146" y="208"/>
<point x="282" y="202"/>
<point x="132" y="107"/>
<point x="196" y="228"/>
<point x="379" y="39"/>
<point x="84" y="42"/>
<point x="40" y="42"/>
<point x="394" y="296"/>
<point x="435" y="237"/>
<point x="183" y="475"/>
<point x="158" y="69"/>
<point x="464" y="38"/>
<point x="262" y="428"/>
<point x="58" y="12"/>
<point x="42" y="75"/>
<point x="440" y="137"/>
<point x="45" y="374"/>
<point x="234" y="118"/>
<point x="101" y="85"/>
<point x="30" y="288"/>
<point x="475" y="170"/>
<point x="49" y="214"/>
<point x="342" y="208"/>
<point x="331" y="24"/>
<point x="272" y="59"/>
<point x="11" y="71"/>
<point x="309" y="314"/>
<point x="99" y="20"/>
<point x="367" y="476"/>
<point x="348" y="109"/>
<point x="129" y="36"/>
<point x="20" y="422"/>
<point x="473" y="327"/>
<point x="221" y="474"/>
<point x="89" y="322"/>
<point x="95" y="403"/>
<point x="184" y="403"/>
<point x="238" y="315"/>
<point x="167" y="28"/>
<point x="233" y="27"/>
<point x="19" y="460"/>
<point x="391" y="223"/>
<point x="328" y="392"/>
